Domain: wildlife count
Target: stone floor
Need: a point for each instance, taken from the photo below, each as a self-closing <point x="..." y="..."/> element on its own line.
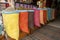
<point x="45" y="33"/>
<point x="55" y="23"/>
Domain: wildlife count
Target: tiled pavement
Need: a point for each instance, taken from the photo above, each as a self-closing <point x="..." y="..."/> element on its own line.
<point x="55" y="23"/>
<point x="45" y="33"/>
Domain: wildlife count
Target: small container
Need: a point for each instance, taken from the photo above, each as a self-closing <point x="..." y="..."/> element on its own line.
<point x="22" y="5"/>
<point x="43" y="15"/>
<point x="49" y="14"/>
<point x="10" y="21"/>
<point x="17" y="5"/>
<point x="7" y="5"/>
<point x="53" y="14"/>
<point x="23" y="21"/>
<point x="36" y="18"/>
<point x="1" y="29"/>
<point x="31" y="20"/>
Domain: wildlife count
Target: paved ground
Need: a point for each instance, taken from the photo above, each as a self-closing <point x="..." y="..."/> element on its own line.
<point x="55" y="23"/>
<point x="45" y="33"/>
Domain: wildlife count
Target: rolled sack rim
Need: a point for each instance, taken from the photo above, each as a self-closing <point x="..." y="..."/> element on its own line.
<point x="16" y="11"/>
<point x="43" y="8"/>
